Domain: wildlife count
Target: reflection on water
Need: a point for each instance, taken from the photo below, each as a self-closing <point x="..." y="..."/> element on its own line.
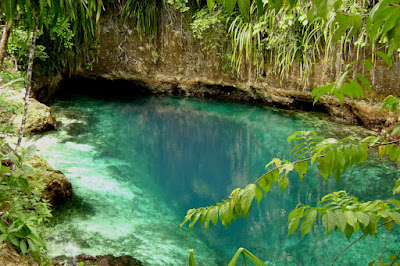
<point x="139" y="165"/>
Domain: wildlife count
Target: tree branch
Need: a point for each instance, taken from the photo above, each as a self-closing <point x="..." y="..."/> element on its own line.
<point x="395" y="259"/>
<point x="299" y="161"/>
<point x="384" y="246"/>
<point x="383" y="144"/>
<point x="341" y="252"/>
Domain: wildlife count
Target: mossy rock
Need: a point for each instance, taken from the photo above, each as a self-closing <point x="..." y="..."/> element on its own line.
<point x="39" y="118"/>
<point x="54" y="185"/>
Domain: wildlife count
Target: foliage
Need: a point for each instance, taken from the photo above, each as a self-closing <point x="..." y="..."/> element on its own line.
<point x="12" y="76"/>
<point x="7" y="111"/>
<point x="246" y="254"/>
<point x="79" y="16"/>
<point x="284" y="37"/>
<point x="18" y="47"/>
<point x="209" y="28"/>
<point x="23" y="211"/>
<point x="60" y="48"/>
<point x="338" y="210"/>
<point x="145" y="15"/>
<point x="181" y="5"/>
<point x="192" y="261"/>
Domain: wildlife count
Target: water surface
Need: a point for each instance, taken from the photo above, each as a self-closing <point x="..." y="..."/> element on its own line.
<point x="137" y="166"/>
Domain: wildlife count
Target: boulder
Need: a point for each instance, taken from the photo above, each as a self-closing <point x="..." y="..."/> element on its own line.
<point x="57" y="188"/>
<point x="39" y="118"/>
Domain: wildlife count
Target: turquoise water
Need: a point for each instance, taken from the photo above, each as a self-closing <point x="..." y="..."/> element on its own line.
<point x="137" y="166"/>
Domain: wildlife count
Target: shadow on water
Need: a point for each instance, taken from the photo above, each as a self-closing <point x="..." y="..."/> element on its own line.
<point x="139" y="164"/>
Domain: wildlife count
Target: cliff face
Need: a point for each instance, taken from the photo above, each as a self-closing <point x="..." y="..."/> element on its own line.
<point x="176" y="64"/>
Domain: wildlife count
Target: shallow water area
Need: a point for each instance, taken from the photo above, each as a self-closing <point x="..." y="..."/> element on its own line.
<point x="137" y="165"/>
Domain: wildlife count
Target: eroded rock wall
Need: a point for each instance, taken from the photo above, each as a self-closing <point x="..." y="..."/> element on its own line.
<point x="176" y="64"/>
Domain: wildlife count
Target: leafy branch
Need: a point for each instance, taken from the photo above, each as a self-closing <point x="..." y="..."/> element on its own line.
<point x="333" y="157"/>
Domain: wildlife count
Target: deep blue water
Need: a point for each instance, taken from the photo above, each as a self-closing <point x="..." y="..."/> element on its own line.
<point x="137" y="166"/>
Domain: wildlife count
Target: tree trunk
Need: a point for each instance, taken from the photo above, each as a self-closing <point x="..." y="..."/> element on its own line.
<point x="4" y="43"/>
<point x="28" y="84"/>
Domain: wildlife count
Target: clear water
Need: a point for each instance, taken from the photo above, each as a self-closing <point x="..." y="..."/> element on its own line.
<point x="137" y="166"/>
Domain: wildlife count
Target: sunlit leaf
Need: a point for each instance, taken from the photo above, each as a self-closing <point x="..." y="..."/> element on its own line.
<point x="308" y="222"/>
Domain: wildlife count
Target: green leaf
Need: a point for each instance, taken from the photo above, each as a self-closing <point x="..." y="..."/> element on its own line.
<point x="265" y="184"/>
<point x="301" y="168"/>
<point x="321" y="90"/>
<point x="23" y="246"/>
<point x="389" y="226"/>
<point x="13" y="157"/>
<point x="368" y="65"/>
<point x="212" y="215"/>
<point x="244" y="6"/>
<point x="260" y="7"/>
<point x="283" y="182"/>
<point x="210" y="4"/>
<point x="340" y="220"/>
<point x="349" y="230"/>
<point x="324" y="7"/>
<point x="364" y="81"/>
<point x="293" y="136"/>
<point x="235" y="258"/>
<point x="192" y="262"/>
<point x="188" y="216"/>
<point x="3" y="227"/>
<point x="382" y="151"/>
<point x="328" y="220"/>
<point x="246" y="199"/>
<point x="253" y="258"/>
<point x="3" y="237"/>
<point x="258" y="193"/>
<point x="194" y="220"/>
<point x="363" y="218"/>
<point x="396" y="217"/>
<point x="230" y="6"/>
<point x="385" y="58"/>
<point x="24" y="185"/>
<point x="294" y="218"/>
<point x="326" y="164"/>
<point x="339" y="164"/>
<point x="351" y="218"/>
<point x="275" y="175"/>
<point x="395" y="202"/>
<point x="13" y="240"/>
<point x="203" y="215"/>
<point x="396" y="129"/>
<point x="246" y="254"/>
<point x="308" y="222"/>
<point x="225" y="214"/>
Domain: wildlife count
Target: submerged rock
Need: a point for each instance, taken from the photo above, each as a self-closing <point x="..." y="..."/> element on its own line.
<point x="104" y="260"/>
<point x="75" y="129"/>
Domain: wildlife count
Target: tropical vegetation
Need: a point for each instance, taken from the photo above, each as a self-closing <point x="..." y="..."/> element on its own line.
<point x="347" y="26"/>
<point x="23" y="210"/>
<point x="351" y="38"/>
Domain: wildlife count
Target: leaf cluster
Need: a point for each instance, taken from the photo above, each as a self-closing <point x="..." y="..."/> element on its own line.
<point x="342" y="212"/>
<point x="333" y="158"/>
<point x="23" y="211"/>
